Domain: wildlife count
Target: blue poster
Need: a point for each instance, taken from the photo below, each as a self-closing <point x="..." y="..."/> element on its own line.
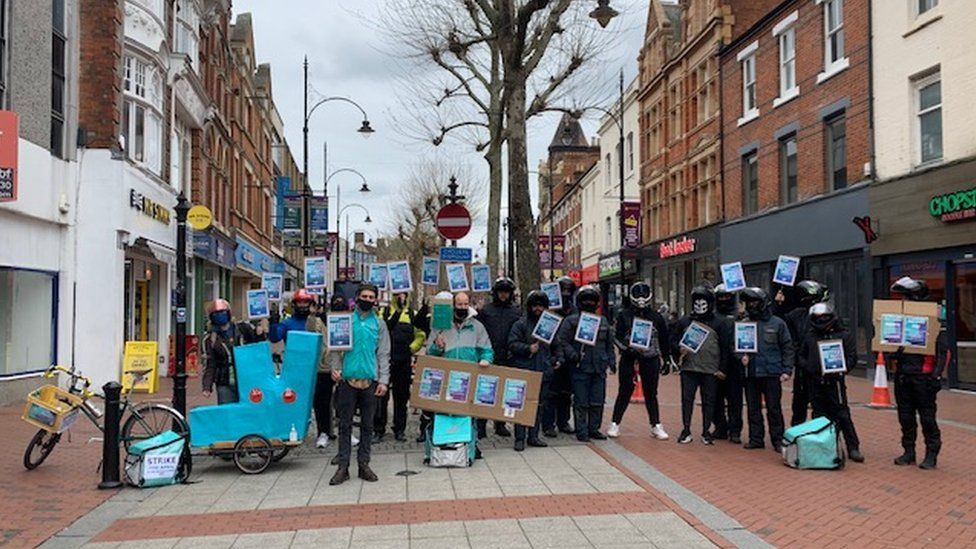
<point x="431" y="382"/>
<point x="832" y="359"/>
<point x="514" y="396"/>
<point x="257" y="304"/>
<point x="400" y="281"/>
<point x="916" y="330"/>
<point x="694" y="337"/>
<point x="486" y="391"/>
<point x="641" y="331"/>
<point x="733" y="277"/>
<point x="457" y="278"/>
<point x="315" y="268"/>
<point x="588" y="329"/>
<point x="272" y="282"/>
<point x="378" y="275"/>
<point x="458" y="386"/>
<point x="546" y="327"/>
<point x="746" y="337"/>
<point x="432" y="271"/>
<point x="892" y="332"/>
<point x="481" y="278"/>
<point x="786" y="269"/>
<point x="339" y="332"/>
<point x="551" y="289"/>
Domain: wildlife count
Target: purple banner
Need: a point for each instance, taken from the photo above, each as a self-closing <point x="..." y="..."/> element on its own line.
<point x="559" y="251"/>
<point x="632" y="233"/>
<point x="544" y="252"/>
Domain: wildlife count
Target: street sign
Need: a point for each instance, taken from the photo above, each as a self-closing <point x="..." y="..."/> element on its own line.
<point x="453" y="221"/>
<point x="199" y="217"/>
<point x="456" y="255"/>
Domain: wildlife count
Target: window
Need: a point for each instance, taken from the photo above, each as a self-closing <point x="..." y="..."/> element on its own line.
<point x="925" y="5"/>
<point x="787" y="63"/>
<point x="833" y="33"/>
<point x="787" y="170"/>
<point x="608" y="169"/>
<point x="28" y="313"/>
<point x="3" y="54"/>
<point x="836" y="140"/>
<point x="674" y="113"/>
<point x="57" y="78"/>
<point x="929" y="103"/>
<point x="188" y="23"/>
<point x="142" y="122"/>
<point x="608" y="244"/>
<point x="750" y="183"/>
<point x="750" y="104"/>
<point x="630" y="151"/>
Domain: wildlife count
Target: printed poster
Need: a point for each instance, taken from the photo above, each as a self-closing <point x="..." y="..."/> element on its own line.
<point x="916" y="330"/>
<point x="832" y="359"/>
<point x="399" y="273"/>
<point x="641" y="331"/>
<point x="547" y="326"/>
<point x="458" y="386"/>
<point x="378" y="275"/>
<point x="481" y="278"/>
<point x="339" y="332"/>
<point x="694" y="337"/>
<point x="588" y="329"/>
<point x="551" y="289"/>
<point x="514" y="396"/>
<point x="457" y="278"/>
<point x="431" y="271"/>
<point x="733" y="277"/>
<point x="786" y="269"/>
<point x="431" y="382"/>
<point x="486" y="391"/>
<point x="315" y="268"/>
<point x="257" y="304"/>
<point x="272" y="282"/>
<point x="746" y="337"/>
<point x="892" y="329"/>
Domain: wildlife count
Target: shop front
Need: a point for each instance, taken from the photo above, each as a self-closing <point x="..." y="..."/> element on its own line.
<point x="927" y="229"/>
<point x="590" y="274"/>
<point x="251" y="261"/>
<point x="616" y="273"/>
<point x="214" y="265"/>
<point x="676" y="265"/>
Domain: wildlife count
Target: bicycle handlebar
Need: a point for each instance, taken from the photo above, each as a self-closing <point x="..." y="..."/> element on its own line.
<point x="75" y="377"/>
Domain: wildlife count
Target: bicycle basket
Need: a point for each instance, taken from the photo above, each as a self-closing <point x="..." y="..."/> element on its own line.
<point x="52" y="408"/>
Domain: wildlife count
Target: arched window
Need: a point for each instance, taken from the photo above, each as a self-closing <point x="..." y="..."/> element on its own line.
<point x="142" y="126"/>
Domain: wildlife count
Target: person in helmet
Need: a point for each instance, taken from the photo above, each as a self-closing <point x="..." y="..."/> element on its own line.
<point x="588" y="365"/>
<point x="406" y="340"/>
<point x="528" y="353"/>
<point x="828" y="392"/>
<point x="701" y="371"/>
<point x="647" y="361"/>
<point x="728" y="400"/>
<point x="808" y="293"/>
<point x="766" y="369"/>
<point x="918" y="379"/>
<point x="498" y="317"/>
<point x="218" y="354"/>
<point x="561" y="390"/>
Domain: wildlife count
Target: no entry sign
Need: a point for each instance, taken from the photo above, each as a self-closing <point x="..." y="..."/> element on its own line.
<point x="453" y="221"/>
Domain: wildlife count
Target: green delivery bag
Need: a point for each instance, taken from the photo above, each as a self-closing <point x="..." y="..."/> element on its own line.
<point x="156" y="461"/>
<point x="813" y="445"/>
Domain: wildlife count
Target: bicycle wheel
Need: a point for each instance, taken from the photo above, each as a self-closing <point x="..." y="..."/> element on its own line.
<point x="280" y="454"/>
<point x="253" y="454"/>
<point x="150" y="419"/>
<point x="39" y="448"/>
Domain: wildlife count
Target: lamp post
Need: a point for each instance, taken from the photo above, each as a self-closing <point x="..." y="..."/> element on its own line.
<point x="179" y="379"/>
<point x="364" y="189"/>
<point x="367" y="220"/>
<point x="603" y="13"/>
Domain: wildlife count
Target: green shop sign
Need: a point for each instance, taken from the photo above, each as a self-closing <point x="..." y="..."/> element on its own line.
<point x="955" y="206"/>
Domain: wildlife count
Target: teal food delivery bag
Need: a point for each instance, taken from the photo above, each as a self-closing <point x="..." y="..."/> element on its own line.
<point x="813" y="445"/>
<point x="156" y="460"/>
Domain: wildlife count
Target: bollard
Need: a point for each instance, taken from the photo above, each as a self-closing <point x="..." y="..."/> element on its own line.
<point x="110" y="440"/>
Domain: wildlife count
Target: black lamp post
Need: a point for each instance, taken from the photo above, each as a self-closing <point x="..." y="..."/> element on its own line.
<point x="603" y="13"/>
<point x="179" y="379"/>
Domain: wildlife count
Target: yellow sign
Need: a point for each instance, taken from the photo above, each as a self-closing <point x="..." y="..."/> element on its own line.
<point x="139" y="366"/>
<point x="199" y="217"/>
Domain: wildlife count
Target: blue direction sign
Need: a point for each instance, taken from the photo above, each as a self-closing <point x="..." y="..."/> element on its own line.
<point x="456" y="255"/>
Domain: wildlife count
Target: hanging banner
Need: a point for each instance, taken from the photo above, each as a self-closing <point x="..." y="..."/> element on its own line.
<point x="8" y="156"/>
<point x="559" y="251"/>
<point x="320" y="221"/>
<point x="291" y="224"/>
<point x="632" y="224"/>
<point x="544" y="252"/>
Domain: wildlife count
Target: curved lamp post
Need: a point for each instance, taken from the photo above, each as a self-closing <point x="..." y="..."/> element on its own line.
<point x="367" y="220"/>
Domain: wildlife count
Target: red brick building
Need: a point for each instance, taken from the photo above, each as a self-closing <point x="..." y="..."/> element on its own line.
<point x="797" y="149"/>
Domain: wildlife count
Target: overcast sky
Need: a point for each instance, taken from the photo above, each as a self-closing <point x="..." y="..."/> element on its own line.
<point x="346" y="57"/>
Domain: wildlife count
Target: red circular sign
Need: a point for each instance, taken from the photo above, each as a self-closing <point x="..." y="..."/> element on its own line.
<point x="453" y="221"/>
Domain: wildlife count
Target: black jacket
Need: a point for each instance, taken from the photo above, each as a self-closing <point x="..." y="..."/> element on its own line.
<point x="798" y="323"/>
<point x="574" y="355"/>
<point x="723" y="328"/>
<point x="520" y="341"/>
<point x="808" y="353"/>
<point x="498" y="319"/>
<point x="624" y="323"/>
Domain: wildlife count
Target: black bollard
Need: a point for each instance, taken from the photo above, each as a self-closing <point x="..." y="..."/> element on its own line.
<point x="110" y="440"/>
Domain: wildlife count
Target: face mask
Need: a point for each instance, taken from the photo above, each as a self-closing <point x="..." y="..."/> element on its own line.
<point x="588" y="306"/>
<point x="535" y="312"/>
<point x="364" y="306"/>
<point x="219" y="318"/>
<point x="699" y="307"/>
<point x="301" y="311"/>
<point x="754" y="309"/>
<point x="460" y="314"/>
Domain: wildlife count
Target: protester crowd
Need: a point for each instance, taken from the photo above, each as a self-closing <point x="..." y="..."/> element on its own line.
<point x="387" y="338"/>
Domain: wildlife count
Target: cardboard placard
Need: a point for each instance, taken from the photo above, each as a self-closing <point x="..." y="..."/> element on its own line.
<point x="905" y="321"/>
<point x="512" y="387"/>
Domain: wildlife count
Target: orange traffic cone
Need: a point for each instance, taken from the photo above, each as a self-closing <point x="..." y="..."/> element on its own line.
<point x="882" y="396"/>
<point x="638" y="394"/>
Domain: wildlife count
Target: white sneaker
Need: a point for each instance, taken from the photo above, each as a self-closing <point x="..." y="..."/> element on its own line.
<point x="658" y="432"/>
<point x="613" y="431"/>
<point x="355" y="441"/>
<point x="322" y="441"/>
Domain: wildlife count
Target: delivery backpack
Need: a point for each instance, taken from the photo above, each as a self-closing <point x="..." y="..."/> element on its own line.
<point x="451" y="441"/>
<point x="158" y="461"/>
<point x="813" y="445"/>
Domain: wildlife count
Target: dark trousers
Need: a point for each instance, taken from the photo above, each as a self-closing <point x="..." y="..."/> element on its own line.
<point x="482" y="425"/>
<point x="400" y="373"/>
<point x="226" y="394"/>
<point x="589" y="394"/>
<point x="532" y="433"/>
<point x="707" y="385"/>
<point x="770" y="390"/>
<point x="728" y="406"/>
<point x="348" y="399"/>
<point x="802" y="391"/>
<point x="322" y="403"/>
<point x="915" y="395"/>
<point x="829" y="400"/>
<point x="650" y="371"/>
<point x="560" y="399"/>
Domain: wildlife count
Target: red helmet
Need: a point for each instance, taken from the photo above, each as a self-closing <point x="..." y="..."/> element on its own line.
<point x="302" y="295"/>
<point x="220" y="305"/>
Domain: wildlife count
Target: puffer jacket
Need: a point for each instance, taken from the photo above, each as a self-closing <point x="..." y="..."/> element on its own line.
<point x="520" y="341"/>
<point x="405" y="338"/>
<point x="581" y="357"/>
<point x="809" y="350"/>
<point x="468" y="342"/>
<point x="498" y="318"/>
<point x="776" y="355"/>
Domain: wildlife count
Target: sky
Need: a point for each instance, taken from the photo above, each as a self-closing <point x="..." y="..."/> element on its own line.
<point x="347" y="57"/>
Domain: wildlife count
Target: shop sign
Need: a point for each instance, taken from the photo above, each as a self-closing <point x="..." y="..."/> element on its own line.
<point x="256" y="260"/>
<point x="149" y="208"/>
<point x="631" y="224"/>
<point x="610" y="265"/>
<point x="8" y="156"/>
<point x="954" y="206"/>
<point x="199" y="217"/>
<point x="681" y="246"/>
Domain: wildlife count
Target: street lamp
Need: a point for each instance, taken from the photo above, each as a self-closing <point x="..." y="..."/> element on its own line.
<point x="364" y="189"/>
<point x="603" y="13"/>
<point x="367" y="220"/>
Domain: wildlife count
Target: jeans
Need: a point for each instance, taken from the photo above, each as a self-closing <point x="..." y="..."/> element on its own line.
<point x="768" y="388"/>
<point x="400" y="374"/>
<point x="348" y="398"/>
<point x="650" y="370"/>
<point x="706" y="384"/>
<point x="323" y="403"/>
<point x="533" y="432"/>
<point x="916" y="394"/>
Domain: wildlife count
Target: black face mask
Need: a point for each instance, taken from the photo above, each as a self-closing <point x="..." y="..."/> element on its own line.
<point x="533" y="314"/>
<point x="588" y="306"/>
<point x="460" y="314"/>
<point x="755" y="309"/>
<point x="364" y="306"/>
<point x="301" y="311"/>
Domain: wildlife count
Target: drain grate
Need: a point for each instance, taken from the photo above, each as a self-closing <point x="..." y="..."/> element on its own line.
<point x="406" y="473"/>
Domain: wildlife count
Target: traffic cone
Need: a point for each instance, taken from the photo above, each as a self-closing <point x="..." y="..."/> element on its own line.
<point x="638" y="394"/>
<point x="881" y="398"/>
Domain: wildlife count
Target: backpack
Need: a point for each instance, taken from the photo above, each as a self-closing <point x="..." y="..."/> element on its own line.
<point x="158" y="461"/>
<point x="451" y="441"/>
<point x="813" y="445"/>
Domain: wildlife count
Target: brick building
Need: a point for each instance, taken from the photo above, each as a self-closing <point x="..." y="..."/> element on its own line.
<point x="797" y="148"/>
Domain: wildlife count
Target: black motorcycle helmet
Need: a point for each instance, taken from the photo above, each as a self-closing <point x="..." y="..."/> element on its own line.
<point x="822" y="317"/>
<point x="588" y="299"/>
<point x="698" y="294"/>
<point x="567" y="287"/>
<point x="911" y="288"/>
<point x="503" y="284"/>
<point x="756" y="301"/>
<point x="725" y="302"/>
<point x="641" y="295"/>
<point x="810" y="292"/>
<point x="536" y="297"/>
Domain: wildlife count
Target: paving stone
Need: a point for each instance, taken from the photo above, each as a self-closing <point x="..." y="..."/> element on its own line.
<point x="264" y="541"/>
<point x="325" y="538"/>
<point x="433" y="530"/>
<point x="385" y="532"/>
<point x="207" y="542"/>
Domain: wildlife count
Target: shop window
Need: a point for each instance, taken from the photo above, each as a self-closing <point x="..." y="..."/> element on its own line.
<point x="787" y="170"/>
<point x="836" y="142"/>
<point x="28" y="316"/>
<point x="966" y="321"/>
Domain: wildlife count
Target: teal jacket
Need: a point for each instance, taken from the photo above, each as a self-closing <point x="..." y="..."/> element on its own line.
<point x="468" y="343"/>
<point x="370" y="354"/>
